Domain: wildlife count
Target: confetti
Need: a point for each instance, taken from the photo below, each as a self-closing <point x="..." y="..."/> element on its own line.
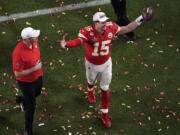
<point x="63" y="127"/>
<point x="41" y="124"/>
<point x="3" y="33"/>
<point x="170" y="45"/>
<point x="63" y="13"/>
<point x="156" y="32"/>
<point x="54" y="130"/>
<point x="52" y="25"/>
<point x="28" y="23"/>
<point x="160" y="51"/>
<point x="159" y="130"/>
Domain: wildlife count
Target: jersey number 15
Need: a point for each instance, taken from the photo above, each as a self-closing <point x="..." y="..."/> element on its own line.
<point x="103" y="50"/>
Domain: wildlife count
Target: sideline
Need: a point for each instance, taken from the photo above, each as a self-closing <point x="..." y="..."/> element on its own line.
<point x="53" y="10"/>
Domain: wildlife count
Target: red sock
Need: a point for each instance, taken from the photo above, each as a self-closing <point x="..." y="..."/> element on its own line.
<point x="105" y="97"/>
<point x="90" y="87"/>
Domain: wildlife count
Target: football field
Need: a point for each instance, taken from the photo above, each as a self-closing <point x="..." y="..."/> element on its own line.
<point x="145" y="97"/>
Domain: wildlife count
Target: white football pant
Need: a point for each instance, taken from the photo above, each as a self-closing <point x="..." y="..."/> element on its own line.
<point x="103" y="73"/>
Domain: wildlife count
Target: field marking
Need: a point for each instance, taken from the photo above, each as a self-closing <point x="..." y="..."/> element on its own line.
<point x="53" y="10"/>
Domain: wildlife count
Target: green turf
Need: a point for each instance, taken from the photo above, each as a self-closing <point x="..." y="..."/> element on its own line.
<point x="145" y="85"/>
<point x="8" y="7"/>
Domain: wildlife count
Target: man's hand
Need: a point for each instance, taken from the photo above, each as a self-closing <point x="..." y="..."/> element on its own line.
<point x="63" y="41"/>
<point x="38" y="66"/>
<point x="147" y="13"/>
<point x="29" y="70"/>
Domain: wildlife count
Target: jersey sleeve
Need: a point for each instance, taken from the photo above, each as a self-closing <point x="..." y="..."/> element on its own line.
<point x="83" y="34"/>
<point x="17" y="62"/>
<point x="116" y="28"/>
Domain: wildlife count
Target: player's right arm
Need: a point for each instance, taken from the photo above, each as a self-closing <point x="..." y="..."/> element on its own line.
<point x="82" y="37"/>
<point x="128" y="28"/>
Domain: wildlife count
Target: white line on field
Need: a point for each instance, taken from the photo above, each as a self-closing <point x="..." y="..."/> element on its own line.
<point x="53" y="10"/>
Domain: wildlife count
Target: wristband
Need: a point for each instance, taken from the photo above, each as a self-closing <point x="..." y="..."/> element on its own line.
<point x="139" y="20"/>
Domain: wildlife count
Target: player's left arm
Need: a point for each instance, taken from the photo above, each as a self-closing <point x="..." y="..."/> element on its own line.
<point x="146" y="15"/>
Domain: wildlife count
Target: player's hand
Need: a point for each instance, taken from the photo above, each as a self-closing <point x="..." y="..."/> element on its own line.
<point x="63" y="41"/>
<point x="147" y="13"/>
<point x="38" y="66"/>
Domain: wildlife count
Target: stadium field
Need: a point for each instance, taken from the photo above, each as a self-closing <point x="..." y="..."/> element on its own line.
<point x="146" y="73"/>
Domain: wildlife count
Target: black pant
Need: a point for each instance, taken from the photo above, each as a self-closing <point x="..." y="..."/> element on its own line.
<point x="30" y="92"/>
<point x="120" y="10"/>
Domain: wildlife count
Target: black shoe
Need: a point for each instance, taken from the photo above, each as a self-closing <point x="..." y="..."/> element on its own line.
<point x="19" y="101"/>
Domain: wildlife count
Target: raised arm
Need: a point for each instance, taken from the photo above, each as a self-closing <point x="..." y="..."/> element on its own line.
<point x="146" y="15"/>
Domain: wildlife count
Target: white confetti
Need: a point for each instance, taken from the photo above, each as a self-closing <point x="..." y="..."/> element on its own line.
<point x="138" y="101"/>
<point x="123" y="104"/>
<point x="129" y="107"/>
<point x="54" y="130"/>
<point x="170" y="45"/>
<point x="52" y="25"/>
<point x="160" y="51"/>
<point x="41" y="124"/>
<point x="63" y="13"/>
<point x="63" y="127"/>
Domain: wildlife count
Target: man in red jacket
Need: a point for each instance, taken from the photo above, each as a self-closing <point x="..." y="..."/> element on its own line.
<point x="96" y="40"/>
<point x="27" y="68"/>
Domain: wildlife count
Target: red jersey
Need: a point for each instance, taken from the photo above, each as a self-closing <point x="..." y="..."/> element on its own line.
<point x="25" y="58"/>
<point x="97" y="46"/>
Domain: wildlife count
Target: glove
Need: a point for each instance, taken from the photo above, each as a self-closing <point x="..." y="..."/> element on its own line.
<point x="147" y="13"/>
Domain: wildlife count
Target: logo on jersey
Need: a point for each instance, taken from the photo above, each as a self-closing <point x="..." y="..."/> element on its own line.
<point x="110" y="35"/>
<point x="17" y="65"/>
<point x="91" y="34"/>
<point x="94" y="39"/>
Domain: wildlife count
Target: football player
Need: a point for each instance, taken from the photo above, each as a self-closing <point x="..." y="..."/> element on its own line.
<point x="96" y="39"/>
